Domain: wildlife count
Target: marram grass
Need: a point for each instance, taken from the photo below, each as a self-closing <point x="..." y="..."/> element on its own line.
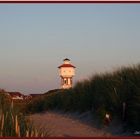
<point x="15" y="124"/>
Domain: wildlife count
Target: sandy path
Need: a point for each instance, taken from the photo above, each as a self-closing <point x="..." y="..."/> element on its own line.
<point x="60" y="125"/>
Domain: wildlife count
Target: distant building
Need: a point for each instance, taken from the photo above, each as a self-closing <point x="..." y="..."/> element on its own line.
<point x="66" y="72"/>
<point x="2" y="90"/>
<point x="27" y="97"/>
<point x="20" y="96"/>
<point x="16" y="95"/>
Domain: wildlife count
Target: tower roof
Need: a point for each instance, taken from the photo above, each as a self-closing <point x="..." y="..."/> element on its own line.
<point x="66" y="65"/>
<point x="66" y="59"/>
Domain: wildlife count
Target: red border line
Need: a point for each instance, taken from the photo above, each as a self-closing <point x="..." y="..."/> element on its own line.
<point x="107" y="137"/>
<point x="69" y="1"/>
<point x="73" y="2"/>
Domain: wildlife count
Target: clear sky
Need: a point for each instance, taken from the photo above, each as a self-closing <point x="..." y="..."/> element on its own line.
<point x="35" y="38"/>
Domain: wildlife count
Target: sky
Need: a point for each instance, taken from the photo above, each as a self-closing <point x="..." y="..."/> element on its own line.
<point x="35" y="38"/>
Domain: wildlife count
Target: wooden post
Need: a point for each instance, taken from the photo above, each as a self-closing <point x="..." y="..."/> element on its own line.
<point x="124" y="107"/>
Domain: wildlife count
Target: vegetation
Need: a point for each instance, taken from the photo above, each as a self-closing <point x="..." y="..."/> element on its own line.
<point x="116" y="93"/>
<point x="13" y="123"/>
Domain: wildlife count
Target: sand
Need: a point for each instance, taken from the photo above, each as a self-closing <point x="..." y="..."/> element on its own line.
<point x="59" y="124"/>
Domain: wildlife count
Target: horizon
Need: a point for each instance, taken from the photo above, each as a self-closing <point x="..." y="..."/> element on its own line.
<point x="35" y="38"/>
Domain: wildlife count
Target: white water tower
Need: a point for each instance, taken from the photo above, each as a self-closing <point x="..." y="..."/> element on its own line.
<point x="66" y="72"/>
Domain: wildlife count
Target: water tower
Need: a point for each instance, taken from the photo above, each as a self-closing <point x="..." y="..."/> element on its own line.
<point x="66" y="72"/>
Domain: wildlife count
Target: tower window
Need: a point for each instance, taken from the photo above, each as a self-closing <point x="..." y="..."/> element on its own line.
<point x="65" y="81"/>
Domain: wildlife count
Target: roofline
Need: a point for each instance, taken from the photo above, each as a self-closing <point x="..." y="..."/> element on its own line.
<point x="66" y="66"/>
